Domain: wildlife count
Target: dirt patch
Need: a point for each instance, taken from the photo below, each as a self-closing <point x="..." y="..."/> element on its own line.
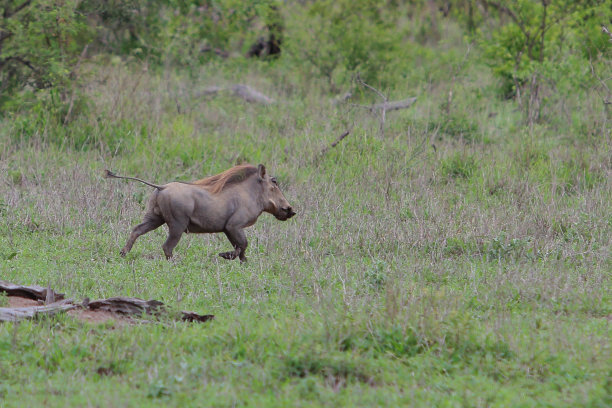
<point x="18" y="301"/>
<point x="99" y="316"/>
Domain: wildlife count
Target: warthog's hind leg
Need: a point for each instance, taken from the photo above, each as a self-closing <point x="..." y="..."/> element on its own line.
<point x="150" y="223"/>
<point x="239" y="241"/>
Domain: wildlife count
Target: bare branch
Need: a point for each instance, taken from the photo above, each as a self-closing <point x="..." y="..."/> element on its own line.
<point x="382" y="107"/>
<point x="456" y="72"/>
<point x="335" y="143"/>
<point x="5" y="35"/>
<point x="605" y="30"/>
<point x="607" y="99"/>
<point x="360" y="81"/>
<point x="342" y="98"/>
<point x="510" y="13"/>
<point x="8" y="13"/>
<point x="342" y="136"/>
<point x="20" y="60"/>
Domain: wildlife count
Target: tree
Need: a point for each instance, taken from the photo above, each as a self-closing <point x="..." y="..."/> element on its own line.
<point x="524" y="50"/>
<point x="39" y="41"/>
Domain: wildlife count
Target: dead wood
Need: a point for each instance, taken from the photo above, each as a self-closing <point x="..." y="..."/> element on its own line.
<point x="385" y="106"/>
<point x="31" y="292"/>
<point x="194" y="317"/>
<point x="251" y="95"/>
<point x="393" y="105"/>
<point x="334" y="144"/>
<point x="342" y="136"/>
<point x="8" y="314"/>
<point x="125" y="305"/>
<point x="342" y="98"/>
<point x="135" y="306"/>
<point x="241" y="91"/>
<point x="605" y="30"/>
<point x="120" y="305"/>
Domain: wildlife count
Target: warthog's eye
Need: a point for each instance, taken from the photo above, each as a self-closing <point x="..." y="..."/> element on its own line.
<point x="273" y="179"/>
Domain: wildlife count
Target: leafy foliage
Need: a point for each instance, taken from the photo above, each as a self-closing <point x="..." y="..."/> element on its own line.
<point x="536" y="41"/>
<point x="39" y="43"/>
<point x="340" y="38"/>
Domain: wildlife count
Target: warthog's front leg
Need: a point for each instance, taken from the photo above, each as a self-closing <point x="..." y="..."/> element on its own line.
<point x="238" y="239"/>
<point x="175" y="230"/>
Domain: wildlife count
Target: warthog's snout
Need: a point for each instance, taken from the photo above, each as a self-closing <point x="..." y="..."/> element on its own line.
<point x="285" y="213"/>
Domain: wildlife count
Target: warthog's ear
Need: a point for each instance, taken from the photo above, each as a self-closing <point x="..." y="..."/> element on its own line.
<point x="261" y="171"/>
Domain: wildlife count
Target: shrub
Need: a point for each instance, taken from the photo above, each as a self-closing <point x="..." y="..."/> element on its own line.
<point x="39" y="44"/>
<point x="336" y="39"/>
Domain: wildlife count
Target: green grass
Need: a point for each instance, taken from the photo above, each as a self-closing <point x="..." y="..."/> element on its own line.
<point x="475" y="273"/>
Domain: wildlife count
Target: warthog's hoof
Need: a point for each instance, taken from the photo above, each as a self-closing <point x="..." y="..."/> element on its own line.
<point x="123" y="253"/>
<point x="228" y="255"/>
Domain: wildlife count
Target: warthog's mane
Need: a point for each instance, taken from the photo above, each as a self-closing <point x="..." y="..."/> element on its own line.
<point x="235" y="175"/>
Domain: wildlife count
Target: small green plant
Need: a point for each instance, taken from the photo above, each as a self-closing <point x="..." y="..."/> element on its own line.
<point x="460" y="127"/>
<point x="376" y="275"/>
<point x="458" y="166"/>
<point x="456" y="246"/>
<point x="501" y="247"/>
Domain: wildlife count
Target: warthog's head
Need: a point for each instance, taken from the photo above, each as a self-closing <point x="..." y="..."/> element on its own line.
<point x="274" y="201"/>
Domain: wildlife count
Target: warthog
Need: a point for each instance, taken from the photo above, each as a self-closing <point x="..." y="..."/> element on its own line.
<point x="226" y="202"/>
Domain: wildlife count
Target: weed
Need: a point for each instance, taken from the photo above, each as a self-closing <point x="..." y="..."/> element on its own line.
<point x="458" y="166"/>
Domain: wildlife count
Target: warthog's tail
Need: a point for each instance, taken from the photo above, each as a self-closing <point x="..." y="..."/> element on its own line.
<point x="110" y="174"/>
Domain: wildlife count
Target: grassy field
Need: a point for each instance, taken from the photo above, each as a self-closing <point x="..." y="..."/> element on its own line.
<point x="460" y="259"/>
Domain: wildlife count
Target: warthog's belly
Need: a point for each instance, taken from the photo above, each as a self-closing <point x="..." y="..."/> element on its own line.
<point x="197" y="229"/>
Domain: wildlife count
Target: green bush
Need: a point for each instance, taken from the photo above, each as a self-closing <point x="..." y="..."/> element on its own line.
<point x="335" y="40"/>
<point x="183" y="33"/>
<point x="534" y="52"/>
<point x="40" y="42"/>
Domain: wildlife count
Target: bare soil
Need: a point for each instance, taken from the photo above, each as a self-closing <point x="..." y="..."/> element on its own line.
<point x="18" y="301"/>
<point x="90" y="316"/>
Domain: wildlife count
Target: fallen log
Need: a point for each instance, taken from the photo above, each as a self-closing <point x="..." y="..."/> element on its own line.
<point x="251" y="95"/>
<point x="244" y="92"/>
<point x="135" y="306"/>
<point x="194" y="317"/>
<point x="125" y="305"/>
<point x="119" y="305"/>
<point x="393" y="105"/>
<point x="31" y="292"/>
<point x="14" y="314"/>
